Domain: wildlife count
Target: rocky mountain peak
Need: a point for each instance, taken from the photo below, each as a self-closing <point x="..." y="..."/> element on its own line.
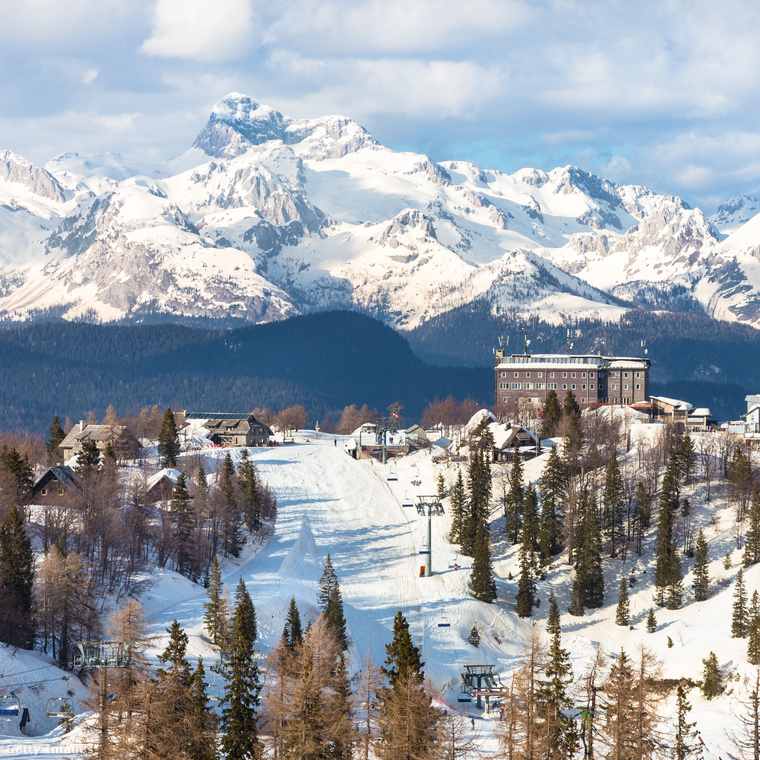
<point x="14" y="168"/>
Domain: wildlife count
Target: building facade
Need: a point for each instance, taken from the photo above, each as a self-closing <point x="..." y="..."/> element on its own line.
<point x="525" y="379"/>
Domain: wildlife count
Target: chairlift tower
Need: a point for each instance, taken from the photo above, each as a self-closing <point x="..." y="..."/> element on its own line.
<point x="383" y="428"/>
<point x="432" y="505"/>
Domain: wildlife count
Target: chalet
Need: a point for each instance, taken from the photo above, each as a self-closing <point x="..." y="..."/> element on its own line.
<point x="160" y="487"/>
<point x="56" y="486"/>
<point x="699" y="419"/>
<point x="124" y="444"/>
<point x="229" y="429"/>
<point x="507" y="437"/>
<point x="671" y="410"/>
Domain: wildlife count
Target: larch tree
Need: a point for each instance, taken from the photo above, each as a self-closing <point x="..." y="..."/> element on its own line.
<point x="685" y="742"/>
<point x="619" y="731"/>
<point x="746" y="737"/>
<point x="369" y="690"/>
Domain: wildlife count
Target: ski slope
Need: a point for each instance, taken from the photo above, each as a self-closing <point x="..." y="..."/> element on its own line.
<point x="329" y="503"/>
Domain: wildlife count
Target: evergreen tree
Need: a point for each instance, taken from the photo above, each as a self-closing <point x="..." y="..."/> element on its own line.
<point x="701" y="582"/>
<point x="251" y="496"/>
<point x="552" y="486"/>
<point x="202" y="718"/>
<point x="753" y="630"/>
<point x="183" y="529"/>
<point x="552" y="414"/>
<point x="588" y="581"/>
<point x="526" y="595"/>
<point x="641" y="516"/>
<point x="687" y="459"/>
<point x="668" y="566"/>
<point x="711" y="677"/>
<point x="441" y="486"/>
<point x="514" y="503"/>
<point x="213" y="610"/>
<point x="479" y="487"/>
<point x="752" y="539"/>
<point x="739" y="610"/>
<point x="21" y="474"/>
<point x="230" y="511"/>
<point x="403" y="660"/>
<point x="686" y="743"/>
<point x="458" y="508"/>
<point x="331" y="603"/>
<point x="482" y="577"/>
<point x="16" y="582"/>
<point x="526" y="588"/>
<point x="240" y="738"/>
<point x="623" y="612"/>
<point x="651" y="621"/>
<point x="292" y="633"/>
<point x="88" y="458"/>
<point x="612" y="505"/>
<point x="557" y="731"/>
<point x="168" y="441"/>
<point x="55" y="438"/>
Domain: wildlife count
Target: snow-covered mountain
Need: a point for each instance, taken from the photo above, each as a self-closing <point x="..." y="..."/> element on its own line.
<point x="267" y="216"/>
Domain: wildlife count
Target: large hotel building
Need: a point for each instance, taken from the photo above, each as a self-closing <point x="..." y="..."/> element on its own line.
<point x="593" y="379"/>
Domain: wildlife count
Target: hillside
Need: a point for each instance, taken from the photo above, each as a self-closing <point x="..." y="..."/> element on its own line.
<point x="329" y="503"/>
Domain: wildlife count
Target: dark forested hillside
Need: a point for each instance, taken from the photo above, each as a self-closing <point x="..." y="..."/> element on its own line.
<point x="323" y="361"/>
<point x="694" y="357"/>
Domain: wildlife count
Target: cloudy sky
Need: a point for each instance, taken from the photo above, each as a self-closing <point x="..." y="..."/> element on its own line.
<point x="664" y="94"/>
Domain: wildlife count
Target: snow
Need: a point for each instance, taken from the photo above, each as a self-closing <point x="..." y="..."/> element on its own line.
<point x="329" y="503"/>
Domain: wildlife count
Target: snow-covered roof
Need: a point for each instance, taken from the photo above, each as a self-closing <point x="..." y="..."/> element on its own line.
<point x="477" y="419"/>
<point x="168" y="473"/>
<point x="701" y="411"/>
<point x="677" y="404"/>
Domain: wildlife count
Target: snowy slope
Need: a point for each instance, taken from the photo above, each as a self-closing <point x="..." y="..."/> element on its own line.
<point x="330" y="503"/>
<point x="267" y="216"/>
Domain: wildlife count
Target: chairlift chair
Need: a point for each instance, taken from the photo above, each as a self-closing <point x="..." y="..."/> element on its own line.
<point x="464" y="696"/>
<point x="212" y="690"/>
<point x="393" y="473"/>
<point x="9" y="705"/>
<point x="59" y="707"/>
<point x="444" y="622"/>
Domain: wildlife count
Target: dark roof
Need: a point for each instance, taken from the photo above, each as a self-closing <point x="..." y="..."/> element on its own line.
<point x="218" y="415"/>
<point x="63" y="473"/>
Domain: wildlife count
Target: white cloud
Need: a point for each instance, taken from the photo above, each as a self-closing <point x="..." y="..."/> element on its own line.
<point x="201" y="30"/>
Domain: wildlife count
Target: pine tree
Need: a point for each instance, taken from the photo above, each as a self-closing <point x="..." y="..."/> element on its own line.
<point x="183" y="529"/>
<point x="479" y="487"/>
<point x="403" y="658"/>
<point x="711" y="677"/>
<point x="514" y="503"/>
<point x="21" y="474"/>
<point x="526" y="595"/>
<point x="441" y="486"/>
<point x="612" y="505"/>
<point x="240" y="738"/>
<point x="701" y="582"/>
<point x="168" y="441"/>
<point x="651" y="621"/>
<point x="482" y="577"/>
<point x="739" y="610"/>
<point x="213" y="614"/>
<point x="16" y="582"/>
<point x="752" y="539"/>
<point x="251" y="497"/>
<point x="292" y="633"/>
<point x="557" y="731"/>
<point x="623" y="612"/>
<point x="686" y="744"/>
<point x="668" y="567"/>
<point x="588" y="581"/>
<point x="331" y="603"/>
<point x="230" y="511"/>
<point x="552" y="486"/>
<point x="753" y="630"/>
<point x="55" y="438"/>
<point x="202" y="718"/>
<point x="526" y="587"/>
<point x="687" y="459"/>
<point x="641" y="516"/>
<point x="458" y="506"/>
<point x="88" y="458"/>
<point x="552" y="414"/>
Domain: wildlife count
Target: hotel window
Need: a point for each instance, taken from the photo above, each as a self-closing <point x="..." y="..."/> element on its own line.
<point x="540" y="374"/>
<point x="572" y="387"/>
<point x="591" y="387"/>
<point x="503" y="374"/>
<point x="551" y="374"/>
<point x="625" y="387"/>
<point x="601" y="375"/>
<point x="583" y="387"/>
<point x="564" y="387"/>
<point x="638" y="374"/>
<point x="583" y="374"/>
<point x="527" y="374"/>
<point x="614" y="386"/>
<point x="515" y="386"/>
<point x="638" y="387"/>
<point x="517" y="374"/>
<point x="564" y="374"/>
<point x="539" y="386"/>
<point x="504" y="399"/>
<point x="590" y="374"/>
<point x="573" y="374"/>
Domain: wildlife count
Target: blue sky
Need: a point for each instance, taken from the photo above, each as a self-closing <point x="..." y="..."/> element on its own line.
<point x="664" y="94"/>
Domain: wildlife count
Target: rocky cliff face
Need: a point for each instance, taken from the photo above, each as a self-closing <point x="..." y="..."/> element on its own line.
<point x="268" y="216"/>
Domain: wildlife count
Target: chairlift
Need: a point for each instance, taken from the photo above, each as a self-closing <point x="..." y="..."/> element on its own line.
<point x="393" y="473"/>
<point x="407" y="502"/>
<point x="9" y="705"/>
<point x="59" y="707"/>
<point x="212" y="691"/>
<point x="464" y="696"/>
<point x="416" y="476"/>
<point x="444" y="622"/>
